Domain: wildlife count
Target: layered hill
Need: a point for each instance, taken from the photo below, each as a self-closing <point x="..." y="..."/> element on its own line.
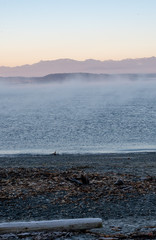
<point x="77" y="77"/>
<point x="42" y="68"/>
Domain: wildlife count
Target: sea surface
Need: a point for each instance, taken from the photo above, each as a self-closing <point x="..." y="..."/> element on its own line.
<point x="78" y="117"/>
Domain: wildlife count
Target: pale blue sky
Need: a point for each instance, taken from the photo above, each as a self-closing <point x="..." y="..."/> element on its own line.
<point x="34" y="30"/>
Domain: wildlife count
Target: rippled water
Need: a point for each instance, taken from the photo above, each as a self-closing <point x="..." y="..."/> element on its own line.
<point x="78" y="117"/>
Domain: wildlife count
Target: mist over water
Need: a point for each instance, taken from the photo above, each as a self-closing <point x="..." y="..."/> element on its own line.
<point x="78" y="117"/>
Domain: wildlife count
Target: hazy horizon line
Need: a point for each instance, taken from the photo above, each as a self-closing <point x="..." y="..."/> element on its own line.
<point x="87" y="59"/>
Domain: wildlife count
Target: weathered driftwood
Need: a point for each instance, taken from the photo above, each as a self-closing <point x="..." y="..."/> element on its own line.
<point x="74" y="180"/>
<point x="61" y="225"/>
<point x="82" y="180"/>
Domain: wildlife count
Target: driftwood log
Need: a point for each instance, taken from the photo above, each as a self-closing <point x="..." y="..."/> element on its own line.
<point x="53" y="225"/>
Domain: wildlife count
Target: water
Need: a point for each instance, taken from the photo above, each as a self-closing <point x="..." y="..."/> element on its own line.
<point x="114" y="116"/>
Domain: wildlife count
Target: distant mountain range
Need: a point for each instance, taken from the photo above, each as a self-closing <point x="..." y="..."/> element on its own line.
<point x="42" y="68"/>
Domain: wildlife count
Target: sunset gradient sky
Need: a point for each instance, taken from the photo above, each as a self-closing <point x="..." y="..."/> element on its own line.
<point x="34" y="30"/>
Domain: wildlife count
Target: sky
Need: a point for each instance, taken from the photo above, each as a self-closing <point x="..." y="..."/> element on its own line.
<point x="35" y="30"/>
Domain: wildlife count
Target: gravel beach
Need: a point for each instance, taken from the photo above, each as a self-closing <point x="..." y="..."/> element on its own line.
<point x="119" y="188"/>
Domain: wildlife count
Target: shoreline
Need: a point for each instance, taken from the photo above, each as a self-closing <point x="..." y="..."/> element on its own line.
<point x="38" y="153"/>
<point x="133" y="163"/>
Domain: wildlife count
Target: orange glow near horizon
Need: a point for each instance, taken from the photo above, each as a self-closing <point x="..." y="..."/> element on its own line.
<point x="31" y="31"/>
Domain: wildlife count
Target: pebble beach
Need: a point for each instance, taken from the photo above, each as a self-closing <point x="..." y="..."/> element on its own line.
<point x="120" y="189"/>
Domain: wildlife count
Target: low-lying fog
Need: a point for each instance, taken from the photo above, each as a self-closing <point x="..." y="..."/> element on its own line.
<point x="78" y="116"/>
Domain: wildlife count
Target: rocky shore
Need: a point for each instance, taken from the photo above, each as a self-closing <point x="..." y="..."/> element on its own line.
<point x="119" y="188"/>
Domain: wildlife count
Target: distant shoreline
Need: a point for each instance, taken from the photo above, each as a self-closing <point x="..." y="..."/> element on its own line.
<point x="85" y="77"/>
